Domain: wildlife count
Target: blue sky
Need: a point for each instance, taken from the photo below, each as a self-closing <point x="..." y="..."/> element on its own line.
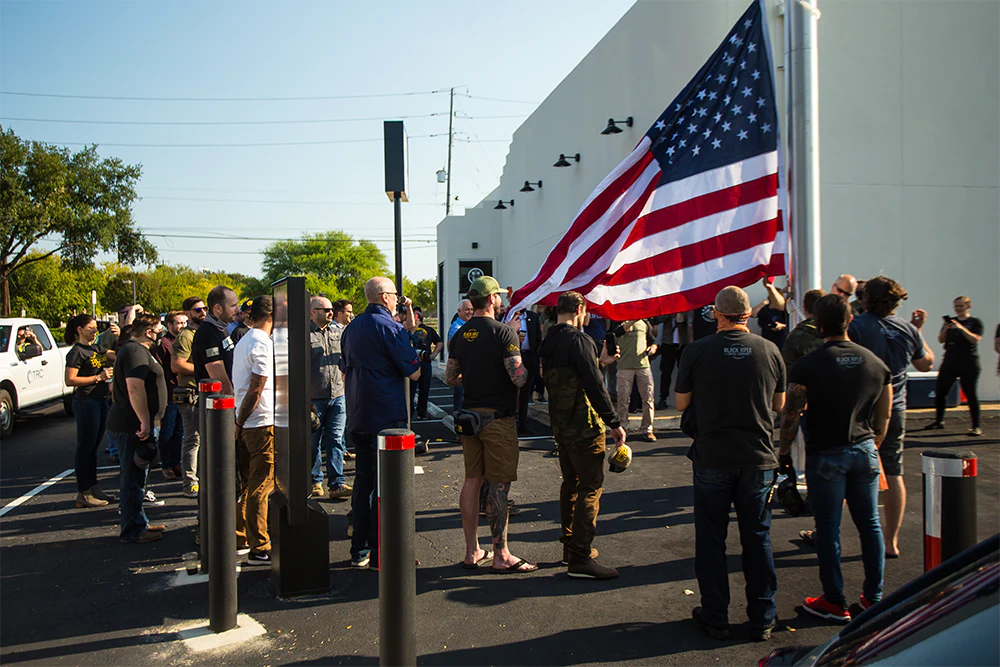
<point x="493" y="51"/>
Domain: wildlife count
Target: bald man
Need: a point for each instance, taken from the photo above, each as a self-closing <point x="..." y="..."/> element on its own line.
<point x="376" y="356"/>
<point x="845" y="285"/>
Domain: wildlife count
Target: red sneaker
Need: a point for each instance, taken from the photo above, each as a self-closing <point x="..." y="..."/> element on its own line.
<point x="824" y="609"/>
<point x="865" y="602"/>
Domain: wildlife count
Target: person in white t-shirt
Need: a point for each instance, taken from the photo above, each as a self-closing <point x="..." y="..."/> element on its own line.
<point x="253" y="371"/>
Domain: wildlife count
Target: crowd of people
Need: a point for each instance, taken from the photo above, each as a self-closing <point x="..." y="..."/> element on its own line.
<point x="838" y="378"/>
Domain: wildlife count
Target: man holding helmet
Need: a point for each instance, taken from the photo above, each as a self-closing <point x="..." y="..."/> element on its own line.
<point x="579" y="408"/>
<point x="731" y="382"/>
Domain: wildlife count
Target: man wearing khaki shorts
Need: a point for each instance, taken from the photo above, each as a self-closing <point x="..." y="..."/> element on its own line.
<point x="484" y="357"/>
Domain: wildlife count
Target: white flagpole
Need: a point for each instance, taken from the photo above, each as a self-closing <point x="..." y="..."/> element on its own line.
<point x="802" y="105"/>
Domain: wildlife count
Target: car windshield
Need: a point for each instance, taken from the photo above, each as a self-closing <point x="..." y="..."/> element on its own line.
<point x="4" y="336"/>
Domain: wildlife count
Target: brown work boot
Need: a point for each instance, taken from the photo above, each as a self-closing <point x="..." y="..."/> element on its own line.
<point x="86" y="499"/>
<point x="149" y="536"/>
<point x="342" y="491"/>
<point x="317" y="491"/>
<point x="649" y="437"/>
<point x="565" y="559"/>
<point x="591" y="569"/>
<point x="99" y="493"/>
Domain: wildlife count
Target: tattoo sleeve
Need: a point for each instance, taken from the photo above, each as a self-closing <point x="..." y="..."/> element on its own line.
<point x="795" y="402"/>
<point x="516" y="370"/>
<point x="252" y="398"/>
<point x="453" y="373"/>
<point x="497" y="512"/>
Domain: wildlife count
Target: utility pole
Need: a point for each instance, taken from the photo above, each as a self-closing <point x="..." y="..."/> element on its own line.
<point x="451" y="140"/>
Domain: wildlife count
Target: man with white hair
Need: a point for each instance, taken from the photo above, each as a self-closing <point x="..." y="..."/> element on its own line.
<point x="376" y="356"/>
<point x="731" y="383"/>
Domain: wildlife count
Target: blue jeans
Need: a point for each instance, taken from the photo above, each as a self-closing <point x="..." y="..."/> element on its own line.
<point x="333" y="416"/>
<point x="364" y="505"/>
<point x="133" y="519"/>
<point x="834" y="475"/>
<point x="91" y="416"/>
<point x="171" y="436"/>
<point x="715" y="491"/>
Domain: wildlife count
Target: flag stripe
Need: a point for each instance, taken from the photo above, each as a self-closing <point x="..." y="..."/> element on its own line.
<point x="687" y="300"/>
<point x="696" y="253"/>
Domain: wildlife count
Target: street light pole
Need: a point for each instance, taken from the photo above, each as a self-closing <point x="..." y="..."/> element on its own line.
<point x="451" y="140"/>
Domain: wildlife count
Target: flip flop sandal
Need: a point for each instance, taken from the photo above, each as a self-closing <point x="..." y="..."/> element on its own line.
<point x="487" y="557"/>
<point x="514" y="569"/>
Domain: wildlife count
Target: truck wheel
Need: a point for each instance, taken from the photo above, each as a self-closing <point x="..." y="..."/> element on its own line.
<point x="68" y="404"/>
<point x="6" y="414"/>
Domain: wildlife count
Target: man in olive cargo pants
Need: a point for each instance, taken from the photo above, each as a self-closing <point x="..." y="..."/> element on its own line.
<point x="579" y="408"/>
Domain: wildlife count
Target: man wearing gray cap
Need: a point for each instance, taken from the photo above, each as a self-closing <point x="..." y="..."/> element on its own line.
<point x="728" y="385"/>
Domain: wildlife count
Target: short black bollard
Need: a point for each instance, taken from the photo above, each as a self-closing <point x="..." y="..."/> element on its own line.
<point x="205" y="389"/>
<point x="949" y="504"/>
<point x="220" y="434"/>
<point x="397" y="579"/>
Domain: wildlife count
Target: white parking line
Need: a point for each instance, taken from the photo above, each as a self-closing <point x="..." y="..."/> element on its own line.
<point x="35" y="491"/>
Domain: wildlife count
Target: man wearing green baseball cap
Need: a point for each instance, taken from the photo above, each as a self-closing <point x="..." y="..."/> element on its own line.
<point x="484" y="357"/>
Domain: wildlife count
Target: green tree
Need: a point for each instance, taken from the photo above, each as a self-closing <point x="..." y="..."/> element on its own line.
<point x="334" y="264"/>
<point x="78" y="200"/>
<point x="51" y="291"/>
<point x="424" y="294"/>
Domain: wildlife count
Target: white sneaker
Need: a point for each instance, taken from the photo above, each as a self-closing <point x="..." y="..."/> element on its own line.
<point x="150" y="499"/>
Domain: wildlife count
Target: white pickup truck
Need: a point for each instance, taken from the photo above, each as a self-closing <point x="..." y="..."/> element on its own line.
<point x="32" y="377"/>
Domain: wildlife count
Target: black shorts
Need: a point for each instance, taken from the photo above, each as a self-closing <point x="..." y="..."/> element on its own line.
<point x="891" y="449"/>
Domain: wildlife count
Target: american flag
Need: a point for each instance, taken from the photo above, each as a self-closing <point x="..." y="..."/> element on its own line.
<point x="693" y="208"/>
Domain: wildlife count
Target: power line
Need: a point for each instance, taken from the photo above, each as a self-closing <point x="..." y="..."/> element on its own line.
<point x="495" y="99"/>
<point x="220" y="122"/>
<point x="220" y="99"/>
<point x="279" y="201"/>
<point x="246" y="145"/>
<point x="279" y="238"/>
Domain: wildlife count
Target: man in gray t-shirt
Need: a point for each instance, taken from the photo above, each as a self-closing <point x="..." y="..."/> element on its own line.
<point x="327" y="393"/>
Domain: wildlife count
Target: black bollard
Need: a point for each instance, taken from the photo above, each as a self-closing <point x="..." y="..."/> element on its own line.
<point x="397" y="579"/>
<point x="220" y="434"/>
<point x="949" y="504"/>
<point x="205" y="389"/>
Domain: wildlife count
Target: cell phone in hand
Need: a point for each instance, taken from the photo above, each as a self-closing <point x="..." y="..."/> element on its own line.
<point x="611" y="342"/>
<point x="947" y="318"/>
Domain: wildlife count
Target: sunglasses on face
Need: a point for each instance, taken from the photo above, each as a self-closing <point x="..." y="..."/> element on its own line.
<point x="324" y="310"/>
<point x="203" y="309"/>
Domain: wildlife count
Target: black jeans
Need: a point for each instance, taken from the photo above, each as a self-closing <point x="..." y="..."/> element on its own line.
<point x="364" y="503"/>
<point x="966" y="371"/>
<point x="670" y="355"/>
<point x="91" y="415"/>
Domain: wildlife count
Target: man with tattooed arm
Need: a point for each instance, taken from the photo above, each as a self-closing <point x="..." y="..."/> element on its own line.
<point x="484" y="357"/>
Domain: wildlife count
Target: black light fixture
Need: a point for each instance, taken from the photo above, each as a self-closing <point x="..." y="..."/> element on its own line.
<point x="527" y="186"/>
<point x="501" y="207"/>
<point x="561" y="162"/>
<point x="613" y="128"/>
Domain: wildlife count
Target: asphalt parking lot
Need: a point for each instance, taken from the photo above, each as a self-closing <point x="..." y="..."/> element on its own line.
<point x="71" y="593"/>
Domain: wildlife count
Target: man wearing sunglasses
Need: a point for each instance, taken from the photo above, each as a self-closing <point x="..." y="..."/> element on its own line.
<point x="844" y="285"/>
<point x="183" y="367"/>
<point x="327" y="394"/>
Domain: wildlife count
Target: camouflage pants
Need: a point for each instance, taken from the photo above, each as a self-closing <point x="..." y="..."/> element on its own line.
<point x="582" y="465"/>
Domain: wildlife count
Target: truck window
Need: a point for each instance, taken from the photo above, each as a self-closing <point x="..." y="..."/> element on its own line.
<point x="42" y="335"/>
<point x="4" y="337"/>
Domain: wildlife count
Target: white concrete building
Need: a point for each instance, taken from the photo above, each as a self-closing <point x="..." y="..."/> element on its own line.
<point x="910" y="147"/>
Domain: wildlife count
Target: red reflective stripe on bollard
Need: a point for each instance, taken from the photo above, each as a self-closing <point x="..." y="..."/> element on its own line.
<point x="970" y="468"/>
<point x="932" y="552"/>
<point x="396" y="443"/>
<point x="208" y="386"/>
<point x="221" y="404"/>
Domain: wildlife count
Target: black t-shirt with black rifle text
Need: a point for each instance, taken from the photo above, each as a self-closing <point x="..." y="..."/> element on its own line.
<point x="89" y="360"/>
<point x="843" y="381"/>
<point x="732" y="376"/>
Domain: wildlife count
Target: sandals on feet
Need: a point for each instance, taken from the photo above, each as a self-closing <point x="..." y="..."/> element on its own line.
<point x="487" y="556"/>
<point x="516" y="568"/>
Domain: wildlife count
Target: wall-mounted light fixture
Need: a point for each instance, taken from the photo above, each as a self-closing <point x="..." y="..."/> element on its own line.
<point x="501" y="207"/>
<point x="613" y="128"/>
<point x="562" y="161"/>
<point x="527" y="186"/>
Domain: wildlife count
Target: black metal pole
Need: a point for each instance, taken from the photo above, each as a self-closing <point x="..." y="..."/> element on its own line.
<point x="397" y="580"/>
<point x="397" y="211"/>
<point x="205" y="389"/>
<point x="221" y="438"/>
